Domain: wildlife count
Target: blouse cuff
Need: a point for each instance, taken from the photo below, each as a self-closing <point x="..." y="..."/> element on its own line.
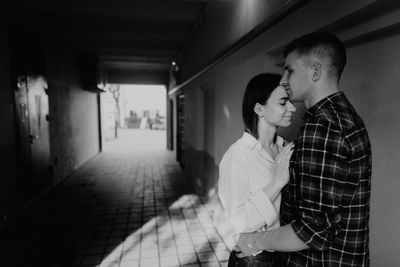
<point x="265" y="207"/>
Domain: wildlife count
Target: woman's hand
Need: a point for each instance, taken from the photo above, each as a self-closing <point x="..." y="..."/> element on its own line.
<point x="282" y="165"/>
<point x="281" y="175"/>
<point x="246" y="245"/>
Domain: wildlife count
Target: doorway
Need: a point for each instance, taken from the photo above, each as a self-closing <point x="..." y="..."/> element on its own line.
<point x="134" y="111"/>
<point x="32" y="108"/>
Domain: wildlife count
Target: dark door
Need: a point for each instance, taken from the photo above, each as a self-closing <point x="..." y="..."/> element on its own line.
<point x="170" y="124"/>
<point x="180" y="142"/>
<point x="33" y="129"/>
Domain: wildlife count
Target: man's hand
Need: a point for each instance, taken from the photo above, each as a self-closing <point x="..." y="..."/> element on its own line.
<point x="246" y="245"/>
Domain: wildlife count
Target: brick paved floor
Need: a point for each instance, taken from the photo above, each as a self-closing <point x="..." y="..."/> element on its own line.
<point x="128" y="206"/>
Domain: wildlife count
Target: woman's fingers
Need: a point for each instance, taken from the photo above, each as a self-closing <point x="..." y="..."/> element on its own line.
<point x="282" y="163"/>
<point x="289" y="153"/>
<point x="240" y="255"/>
<point x="285" y="153"/>
<point x="280" y="155"/>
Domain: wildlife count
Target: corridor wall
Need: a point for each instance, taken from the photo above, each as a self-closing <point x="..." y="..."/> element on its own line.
<point x="370" y="30"/>
<point x="371" y="81"/>
<point x="8" y="145"/>
<point x="73" y="119"/>
<point x="74" y="128"/>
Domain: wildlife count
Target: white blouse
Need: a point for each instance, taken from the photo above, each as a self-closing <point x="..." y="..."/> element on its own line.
<point x="245" y="169"/>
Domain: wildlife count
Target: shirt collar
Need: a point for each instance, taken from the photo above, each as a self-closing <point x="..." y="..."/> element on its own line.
<point x="249" y="140"/>
<point x="322" y="104"/>
<point x="253" y="143"/>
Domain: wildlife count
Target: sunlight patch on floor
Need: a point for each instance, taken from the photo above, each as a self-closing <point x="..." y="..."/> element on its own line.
<point x="183" y="234"/>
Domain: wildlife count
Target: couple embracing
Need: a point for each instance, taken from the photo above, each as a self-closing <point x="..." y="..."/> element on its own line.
<point x="304" y="203"/>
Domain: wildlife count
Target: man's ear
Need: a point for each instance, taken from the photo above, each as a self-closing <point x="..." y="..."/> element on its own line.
<point x="316" y="68"/>
<point x="258" y="110"/>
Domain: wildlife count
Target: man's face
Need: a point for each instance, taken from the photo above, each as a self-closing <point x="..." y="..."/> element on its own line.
<point x="296" y="78"/>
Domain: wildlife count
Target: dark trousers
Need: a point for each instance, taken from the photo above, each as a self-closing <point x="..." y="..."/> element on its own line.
<point x="263" y="259"/>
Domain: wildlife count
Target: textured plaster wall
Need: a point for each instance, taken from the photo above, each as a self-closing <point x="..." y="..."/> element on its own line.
<point x="74" y="135"/>
<point x="73" y="119"/>
<point x="225" y="23"/>
<point x="372" y="83"/>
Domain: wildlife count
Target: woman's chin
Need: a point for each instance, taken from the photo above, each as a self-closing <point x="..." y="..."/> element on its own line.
<point x="285" y="124"/>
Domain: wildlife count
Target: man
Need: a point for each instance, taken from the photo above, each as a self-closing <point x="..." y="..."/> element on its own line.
<point x="325" y="206"/>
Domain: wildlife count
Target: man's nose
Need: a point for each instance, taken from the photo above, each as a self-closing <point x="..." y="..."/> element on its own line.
<point x="292" y="108"/>
<point x="284" y="79"/>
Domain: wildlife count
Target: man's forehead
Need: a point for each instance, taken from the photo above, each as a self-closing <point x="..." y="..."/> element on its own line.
<point x="293" y="58"/>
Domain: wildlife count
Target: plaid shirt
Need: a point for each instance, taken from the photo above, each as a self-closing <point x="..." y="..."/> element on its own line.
<point x="327" y="198"/>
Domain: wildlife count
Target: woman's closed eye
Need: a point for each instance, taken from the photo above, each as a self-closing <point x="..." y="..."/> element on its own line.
<point x="283" y="101"/>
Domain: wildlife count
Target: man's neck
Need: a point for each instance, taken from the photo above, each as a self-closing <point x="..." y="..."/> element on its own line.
<point x="319" y="94"/>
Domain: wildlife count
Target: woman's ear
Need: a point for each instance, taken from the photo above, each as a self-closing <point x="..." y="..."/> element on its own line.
<point x="258" y="110"/>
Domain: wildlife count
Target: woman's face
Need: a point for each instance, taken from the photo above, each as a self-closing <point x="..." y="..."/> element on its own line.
<point x="278" y="110"/>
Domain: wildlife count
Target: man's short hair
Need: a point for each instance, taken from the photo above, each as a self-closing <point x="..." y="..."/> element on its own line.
<point x="323" y="45"/>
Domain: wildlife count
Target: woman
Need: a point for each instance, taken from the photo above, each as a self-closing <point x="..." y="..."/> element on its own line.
<point x="256" y="167"/>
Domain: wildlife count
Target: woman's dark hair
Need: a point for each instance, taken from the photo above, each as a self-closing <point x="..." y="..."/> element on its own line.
<point x="258" y="90"/>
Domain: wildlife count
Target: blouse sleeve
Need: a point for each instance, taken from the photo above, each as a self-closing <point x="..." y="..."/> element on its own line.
<point x="247" y="210"/>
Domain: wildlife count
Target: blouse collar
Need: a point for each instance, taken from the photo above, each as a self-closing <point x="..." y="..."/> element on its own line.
<point x="253" y="143"/>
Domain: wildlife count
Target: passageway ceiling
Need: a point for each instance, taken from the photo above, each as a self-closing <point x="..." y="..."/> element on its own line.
<point x="135" y="40"/>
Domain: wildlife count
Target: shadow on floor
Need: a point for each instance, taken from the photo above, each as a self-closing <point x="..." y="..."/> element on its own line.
<point x="128" y="206"/>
